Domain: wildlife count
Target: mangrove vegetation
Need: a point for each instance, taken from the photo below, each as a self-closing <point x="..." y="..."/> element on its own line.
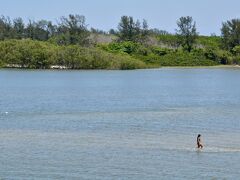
<point x="71" y="44"/>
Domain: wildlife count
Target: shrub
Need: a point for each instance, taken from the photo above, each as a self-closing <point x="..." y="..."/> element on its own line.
<point x="127" y="64"/>
<point x="181" y="58"/>
<point x="41" y="55"/>
<point x="127" y="47"/>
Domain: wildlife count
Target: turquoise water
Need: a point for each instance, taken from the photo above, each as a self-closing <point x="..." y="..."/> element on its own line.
<point x="120" y="124"/>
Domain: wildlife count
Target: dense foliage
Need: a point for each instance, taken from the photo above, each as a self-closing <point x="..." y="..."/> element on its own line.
<point x="187" y="32"/>
<point x="70" y="44"/>
<point x="35" y="54"/>
<point x="156" y="56"/>
<point x="69" y="30"/>
<point x="129" y="30"/>
<point x="231" y="33"/>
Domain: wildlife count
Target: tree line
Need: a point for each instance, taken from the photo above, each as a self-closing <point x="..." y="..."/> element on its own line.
<point x="132" y="38"/>
<point x="73" y="29"/>
<point x="68" y="30"/>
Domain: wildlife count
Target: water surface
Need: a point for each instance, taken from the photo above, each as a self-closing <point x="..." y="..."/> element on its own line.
<point x="120" y="124"/>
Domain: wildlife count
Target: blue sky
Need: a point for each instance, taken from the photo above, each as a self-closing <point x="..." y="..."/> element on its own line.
<point x="105" y="14"/>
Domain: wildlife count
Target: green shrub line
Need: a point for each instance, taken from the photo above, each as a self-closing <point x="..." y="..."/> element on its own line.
<point x="69" y="44"/>
<point x="157" y="56"/>
<point x="33" y="54"/>
<point x="42" y="55"/>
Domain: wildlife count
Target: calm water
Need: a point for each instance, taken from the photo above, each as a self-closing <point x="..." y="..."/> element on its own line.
<point x="120" y="124"/>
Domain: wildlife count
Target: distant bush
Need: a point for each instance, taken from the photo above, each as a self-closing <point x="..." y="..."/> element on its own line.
<point x="155" y="56"/>
<point x="41" y="55"/>
<point x="218" y="55"/>
<point x="181" y="58"/>
<point x="160" y="51"/>
<point x="127" y="64"/>
<point x="168" y="40"/>
<point x="27" y="53"/>
<point x="178" y="58"/>
<point x="127" y="47"/>
<point x="209" y="41"/>
<point x="1" y="64"/>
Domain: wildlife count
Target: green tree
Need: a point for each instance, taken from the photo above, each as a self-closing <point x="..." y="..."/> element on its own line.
<point x="41" y="30"/>
<point x="127" y="29"/>
<point x="18" y="28"/>
<point x="5" y="28"/>
<point x="144" y="32"/>
<point x="231" y="33"/>
<point x="112" y="32"/>
<point x="30" y="30"/>
<point x="130" y="30"/>
<point x="187" y="32"/>
<point x="74" y="29"/>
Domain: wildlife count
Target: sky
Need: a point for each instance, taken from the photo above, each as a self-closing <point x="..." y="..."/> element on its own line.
<point x="105" y="14"/>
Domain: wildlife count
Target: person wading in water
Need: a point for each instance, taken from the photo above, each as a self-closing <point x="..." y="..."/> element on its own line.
<point x="199" y="142"/>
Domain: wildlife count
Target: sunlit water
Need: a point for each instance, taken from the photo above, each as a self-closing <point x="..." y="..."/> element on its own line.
<point x="120" y="124"/>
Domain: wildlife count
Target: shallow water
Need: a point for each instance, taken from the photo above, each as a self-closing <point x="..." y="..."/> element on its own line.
<point x="120" y="124"/>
